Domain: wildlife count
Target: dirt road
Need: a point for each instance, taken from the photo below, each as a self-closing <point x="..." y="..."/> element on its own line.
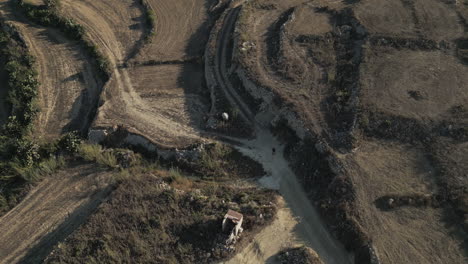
<point x="308" y="227"/>
<point x="261" y="250"/>
<point x="303" y="225"/>
<point x="69" y="89"/>
<point x="220" y="66"/>
<point x="56" y="207"/>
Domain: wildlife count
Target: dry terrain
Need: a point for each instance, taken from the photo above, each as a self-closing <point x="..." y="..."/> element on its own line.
<point x="147" y="220"/>
<point x="383" y="83"/>
<point x="401" y="169"/>
<point x="53" y="210"/>
<point x="367" y="97"/>
<point x="69" y="90"/>
<point x="171" y="120"/>
<point x="182" y="28"/>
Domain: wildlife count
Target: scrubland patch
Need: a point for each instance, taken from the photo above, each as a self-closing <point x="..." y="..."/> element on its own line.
<point x="146" y="220"/>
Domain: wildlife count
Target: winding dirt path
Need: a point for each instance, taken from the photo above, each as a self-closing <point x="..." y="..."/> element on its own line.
<point x="68" y="89"/>
<point x="298" y="221"/>
<point x="220" y="66"/>
<point x="307" y="228"/>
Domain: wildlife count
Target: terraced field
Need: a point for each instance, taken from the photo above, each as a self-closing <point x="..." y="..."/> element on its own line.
<point x="124" y="101"/>
<point x="363" y="76"/>
<point x="355" y="109"/>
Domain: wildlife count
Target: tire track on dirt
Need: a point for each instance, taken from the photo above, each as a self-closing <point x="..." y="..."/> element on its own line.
<point x="221" y="69"/>
<point x="121" y="102"/>
<point x="50" y="212"/>
<point x="177" y="22"/>
<point x="68" y="85"/>
<point x="309" y="228"/>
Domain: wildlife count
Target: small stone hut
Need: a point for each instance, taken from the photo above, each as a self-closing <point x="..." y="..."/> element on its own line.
<point x="232" y="222"/>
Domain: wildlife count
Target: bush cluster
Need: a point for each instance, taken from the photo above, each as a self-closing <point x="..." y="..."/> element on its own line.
<point x="150" y="20"/>
<point x="21" y="159"/>
<point x="22" y="92"/>
<point x="22" y="86"/>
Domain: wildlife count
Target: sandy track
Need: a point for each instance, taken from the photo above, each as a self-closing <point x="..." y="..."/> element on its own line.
<point x="68" y="88"/>
<point x="181" y="29"/>
<point x="50" y="212"/>
<point x="298" y="222"/>
<point x="261" y="249"/>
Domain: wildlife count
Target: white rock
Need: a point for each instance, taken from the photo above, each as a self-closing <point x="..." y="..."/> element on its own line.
<point x="225" y="116"/>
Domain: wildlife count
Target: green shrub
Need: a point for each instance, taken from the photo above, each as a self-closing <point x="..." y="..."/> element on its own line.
<point x="44" y="168"/>
<point x="89" y="152"/>
<point x="53" y="4"/>
<point x="70" y="142"/>
<point x="212" y="158"/>
<point x="27" y="152"/>
<point x="108" y="159"/>
<point x="150" y="20"/>
<point x="95" y="153"/>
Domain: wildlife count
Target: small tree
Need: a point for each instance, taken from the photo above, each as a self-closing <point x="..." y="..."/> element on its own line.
<point x="53" y="5"/>
<point x="70" y="142"/>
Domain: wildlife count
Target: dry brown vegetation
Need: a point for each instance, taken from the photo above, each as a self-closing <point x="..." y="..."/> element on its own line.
<point x="50" y="212"/>
<point x="148" y="221"/>
<point x="378" y="87"/>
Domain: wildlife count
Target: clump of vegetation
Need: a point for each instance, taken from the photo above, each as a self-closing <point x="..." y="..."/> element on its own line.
<point x="53" y="4"/>
<point x="221" y="162"/>
<point x="111" y="158"/>
<point x="160" y="224"/>
<point x="95" y="153"/>
<point x="299" y="255"/>
<point x="48" y="15"/>
<point x="150" y="20"/>
<point x="17" y="152"/>
<point x="22" y="85"/>
<point x="40" y="170"/>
